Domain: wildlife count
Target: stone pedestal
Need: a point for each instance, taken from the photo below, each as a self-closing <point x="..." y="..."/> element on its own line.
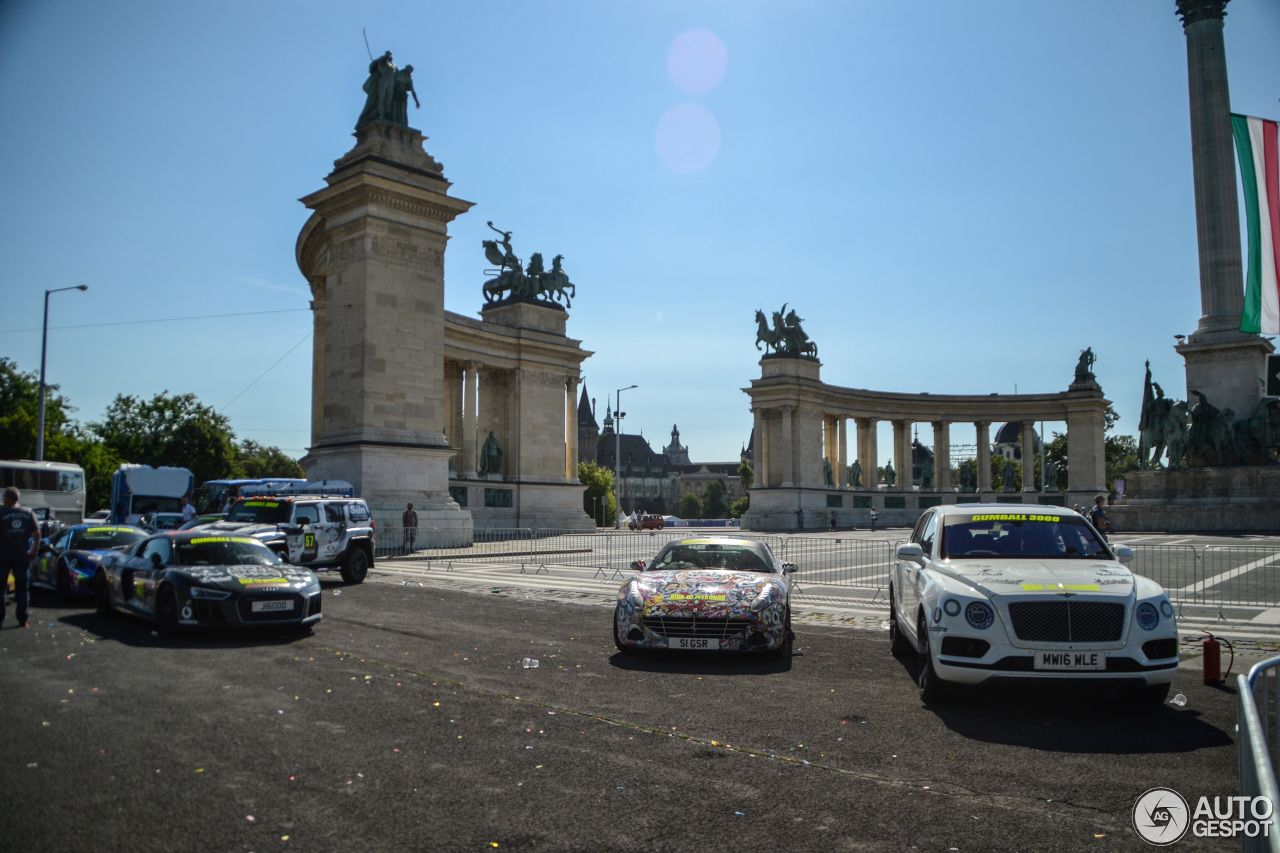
<point x="1231" y="373"/>
<point x="1199" y="500"/>
<point x="373" y="252"/>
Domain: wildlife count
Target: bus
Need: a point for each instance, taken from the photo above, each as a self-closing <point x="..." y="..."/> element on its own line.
<point x="56" y="485"/>
<point x="140" y="489"/>
<point x="212" y="494"/>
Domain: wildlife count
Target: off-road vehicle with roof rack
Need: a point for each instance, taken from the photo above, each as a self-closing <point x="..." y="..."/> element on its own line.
<point x="320" y="532"/>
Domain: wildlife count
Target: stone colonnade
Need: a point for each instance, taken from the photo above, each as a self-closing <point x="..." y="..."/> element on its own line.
<point x="799" y="420"/>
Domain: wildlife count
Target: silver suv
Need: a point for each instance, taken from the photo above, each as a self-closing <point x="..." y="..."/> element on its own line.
<point x="321" y="533"/>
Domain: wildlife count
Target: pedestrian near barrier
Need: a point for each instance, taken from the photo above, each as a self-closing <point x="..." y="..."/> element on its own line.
<point x="1098" y="516"/>
<point x="874" y="516"/>
<point x="19" y="544"/>
<point x="409" y="520"/>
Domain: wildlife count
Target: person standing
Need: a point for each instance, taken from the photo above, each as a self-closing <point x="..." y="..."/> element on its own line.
<point x="1098" y="516"/>
<point x="833" y="521"/>
<point x="19" y="544"/>
<point x="874" y="516"/>
<point x="409" y="520"/>
<point x="188" y="511"/>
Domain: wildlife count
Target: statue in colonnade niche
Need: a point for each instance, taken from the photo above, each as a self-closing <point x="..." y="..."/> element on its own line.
<point x="1051" y="477"/>
<point x="966" y="477"/>
<point x="890" y="476"/>
<point x="855" y="475"/>
<point x="926" y="477"/>
<point x="491" y="456"/>
<point x="827" y="477"/>
<point x="1007" y="476"/>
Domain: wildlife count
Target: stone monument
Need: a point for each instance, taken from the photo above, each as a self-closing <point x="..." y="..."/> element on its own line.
<point x="373" y="252"/>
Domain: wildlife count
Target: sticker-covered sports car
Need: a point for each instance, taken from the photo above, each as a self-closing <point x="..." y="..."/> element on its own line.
<point x="192" y="577"/>
<point x="69" y="560"/>
<point x="991" y="593"/>
<point x="708" y="593"/>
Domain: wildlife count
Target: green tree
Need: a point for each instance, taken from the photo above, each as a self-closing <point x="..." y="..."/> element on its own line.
<point x="713" y="503"/>
<point x="255" y="461"/>
<point x="747" y="476"/>
<point x="599" y="483"/>
<point x="173" y="430"/>
<point x="738" y="507"/>
<point x="19" y="411"/>
<point x="690" y="506"/>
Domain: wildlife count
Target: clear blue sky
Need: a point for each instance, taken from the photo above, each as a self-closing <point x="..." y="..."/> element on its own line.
<point x="957" y="197"/>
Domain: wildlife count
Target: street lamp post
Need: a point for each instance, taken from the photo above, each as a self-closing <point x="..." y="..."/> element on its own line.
<point x="44" y="343"/>
<point x="617" y="452"/>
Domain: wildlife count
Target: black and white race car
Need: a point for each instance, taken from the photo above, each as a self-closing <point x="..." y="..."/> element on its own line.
<point x="193" y="577"/>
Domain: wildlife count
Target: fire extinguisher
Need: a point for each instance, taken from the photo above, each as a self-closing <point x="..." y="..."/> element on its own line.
<point x="1213" y="659"/>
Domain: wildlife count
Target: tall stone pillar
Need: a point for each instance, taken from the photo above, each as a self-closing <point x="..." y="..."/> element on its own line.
<point x="842" y="465"/>
<point x="984" y="455"/>
<point x="788" y="450"/>
<point x="320" y="320"/>
<point x="868" y="452"/>
<point x="377" y="236"/>
<point x="470" y="449"/>
<point x="1226" y="365"/>
<point x="942" y="456"/>
<point x="902" y="455"/>
<point x="571" y="429"/>
<point x="762" y="451"/>
<point x="1028" y="456"/>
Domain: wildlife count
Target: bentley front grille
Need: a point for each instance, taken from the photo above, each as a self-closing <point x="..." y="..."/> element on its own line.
<point x="1067" y="621"/>
<point x="694" y="627"/>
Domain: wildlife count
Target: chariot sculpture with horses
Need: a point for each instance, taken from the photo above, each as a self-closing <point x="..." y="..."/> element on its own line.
<point x="786" y="337"/>
<point x="532" y="284"/>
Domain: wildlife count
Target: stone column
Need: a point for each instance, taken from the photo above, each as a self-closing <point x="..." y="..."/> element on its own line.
<point x="320" y="317"/>
<point x="762" y="454"/>
<point x="829" y="443"/>
<point x="1086" y="452"/>
<point x="868" y="451"/>
<point x="984" y="455"/>
<point x="1214" y="169"/>
<point x="902" y="455"/>
<point x="788" y="451"/>
<point x="842" y="466"/>
<point x="571" y="429"/>
<point x="942" y="456"/>
<point x="1028" y="456"/>
<point x="470" y="450"/>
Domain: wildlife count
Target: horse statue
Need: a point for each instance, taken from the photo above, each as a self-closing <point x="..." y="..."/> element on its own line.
<point x="507" y="276"/>
<point x="1174" y="434"/>
<point x="797" y="340"/>
<point x="555" y="284"/>
<point x="764" y="334"/>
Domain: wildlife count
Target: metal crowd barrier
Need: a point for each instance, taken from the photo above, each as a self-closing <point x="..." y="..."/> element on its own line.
<point x="1258" y="741"/>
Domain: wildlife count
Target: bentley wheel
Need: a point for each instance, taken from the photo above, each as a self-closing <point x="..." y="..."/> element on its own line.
<point x="167" y="612"/>
<point x="932" y="688"/>
<point x="617" y="641"/>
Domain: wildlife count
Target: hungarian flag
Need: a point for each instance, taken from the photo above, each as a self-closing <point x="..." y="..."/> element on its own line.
<point x="1256" y="147"/>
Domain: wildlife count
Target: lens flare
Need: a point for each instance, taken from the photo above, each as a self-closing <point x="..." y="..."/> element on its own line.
<point x="696" y="61"/>
<point x="688" y="138"/>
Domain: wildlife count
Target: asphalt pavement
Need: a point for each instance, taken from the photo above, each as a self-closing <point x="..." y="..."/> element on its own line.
<point x="407" y="721"/>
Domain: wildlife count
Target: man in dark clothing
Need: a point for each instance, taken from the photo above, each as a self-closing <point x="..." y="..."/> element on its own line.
<point x="1098" y="516"/>
<point x="409" y="520"/>
<point x="19" y="543"/>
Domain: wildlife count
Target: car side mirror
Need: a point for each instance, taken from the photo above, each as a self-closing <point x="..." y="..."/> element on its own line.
<point x="304" y="521"/>
<point x="789" y="568"/>
<point x="911" y="551"/>
<point x="1124" y="553"/>
<point x="156" y="561"/>
<point x="637" y="565"/>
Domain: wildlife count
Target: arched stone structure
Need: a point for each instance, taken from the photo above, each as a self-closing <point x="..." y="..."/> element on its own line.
<point x="799" y="420"/>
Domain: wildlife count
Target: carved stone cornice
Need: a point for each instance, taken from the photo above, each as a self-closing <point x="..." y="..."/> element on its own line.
<point x="348" y="196"/>
<point x="1195" y="11"/>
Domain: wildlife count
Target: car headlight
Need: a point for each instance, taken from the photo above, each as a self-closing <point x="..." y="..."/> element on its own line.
<point x="980" y="615"/>
<point x="1166" y="608"/>
<point x="635" y="594"/>
<point x="951" y="606"/>
<point x="209" y="594"/>
<point x="1147" y="615"/>
<point x="766" y="598"/>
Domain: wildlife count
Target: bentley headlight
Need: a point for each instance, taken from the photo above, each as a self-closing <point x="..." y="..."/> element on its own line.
<point x="1147" y="615"/>
<point x="951" y="606"/>
<point x="980" y="615"/>
<point x="634" y="594"/>
<point x="765" y="599"/>
<point x="209" y="594"/>
<point x="1166" y="608"/>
